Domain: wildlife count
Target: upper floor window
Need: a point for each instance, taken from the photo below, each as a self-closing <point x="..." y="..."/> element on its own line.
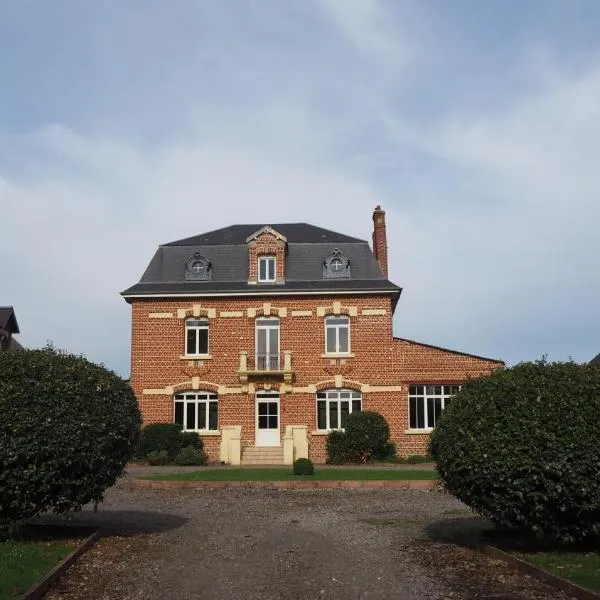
<point x="333" y="406"/>
<point x="426" y="403"/>
<point x="198" y="268"/>
<point x="266" y="268"/>
<point x="267" y="344"/>
<point x="336" y="266"/>
<point x="197" y="411"/>
<point x="196" y="337"/>
<point x="337" y="335"/>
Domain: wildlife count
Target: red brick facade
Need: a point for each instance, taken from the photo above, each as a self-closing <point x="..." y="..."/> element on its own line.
<point x="379" y="366"/>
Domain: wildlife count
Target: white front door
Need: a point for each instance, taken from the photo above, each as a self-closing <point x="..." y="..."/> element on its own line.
<point x="267" y="420"/>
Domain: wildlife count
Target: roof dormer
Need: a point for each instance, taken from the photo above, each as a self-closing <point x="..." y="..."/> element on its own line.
<point x="266" y="256"/>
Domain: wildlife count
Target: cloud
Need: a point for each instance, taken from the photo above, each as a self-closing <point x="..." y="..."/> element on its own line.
<point x="75" y="238"/>
<point x="520" y="221"/>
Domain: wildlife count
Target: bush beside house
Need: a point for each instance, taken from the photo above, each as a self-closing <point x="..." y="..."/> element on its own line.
<point x="366" y="437"/>
<point x="67" y="430"/>
<point x="521" y="447"/>
<point x="164" y="443"/>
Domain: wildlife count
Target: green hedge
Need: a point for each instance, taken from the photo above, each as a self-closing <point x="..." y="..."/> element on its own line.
<point x="366" y="437"/>
<point x="67" y="429"/>
<point x="169" y="437"/>
<point x="303" y="466"/>
<point x="522" y="447"/>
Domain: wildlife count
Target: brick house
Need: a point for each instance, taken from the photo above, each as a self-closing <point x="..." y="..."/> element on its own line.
<point x="264" y="337"/>
<point x="8" y="328"/>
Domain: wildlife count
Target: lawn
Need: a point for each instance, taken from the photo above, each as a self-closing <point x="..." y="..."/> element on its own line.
<point x="258" y="474"/>
<point x="23" y="564"/>
<point x="582" y="568"/>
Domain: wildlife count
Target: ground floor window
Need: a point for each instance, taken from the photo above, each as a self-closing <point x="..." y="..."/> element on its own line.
<point x="333" y="406"/>
<point x="426" y="403"/>
<point x="197" y="411"/>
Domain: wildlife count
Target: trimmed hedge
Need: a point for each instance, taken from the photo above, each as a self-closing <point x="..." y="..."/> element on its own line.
<point x="156" y="437"/>
<point x="68" y="428"/>
<point x="160" y="436"/>
<point x="366" y="437"/>
<point x="522" y="447"/>
<point x="190" y="455"/>
<point x="304" y="466"/>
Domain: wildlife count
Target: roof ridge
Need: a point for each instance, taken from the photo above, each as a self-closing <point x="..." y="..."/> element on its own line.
<point x="497" y="360"/>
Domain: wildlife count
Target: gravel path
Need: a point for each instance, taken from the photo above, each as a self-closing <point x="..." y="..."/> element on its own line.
<point x="277" y="544"/>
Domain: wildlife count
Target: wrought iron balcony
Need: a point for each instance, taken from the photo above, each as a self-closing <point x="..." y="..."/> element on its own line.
<point x="266" y="365"/>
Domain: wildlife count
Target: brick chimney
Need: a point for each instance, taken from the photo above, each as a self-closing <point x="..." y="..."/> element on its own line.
<point x="380" y="239"/>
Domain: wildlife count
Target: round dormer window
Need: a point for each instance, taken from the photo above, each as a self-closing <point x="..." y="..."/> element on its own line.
<point x="337" y="264"/>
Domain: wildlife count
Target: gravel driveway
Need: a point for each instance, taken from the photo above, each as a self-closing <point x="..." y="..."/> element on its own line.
<point x="282" y="544"/>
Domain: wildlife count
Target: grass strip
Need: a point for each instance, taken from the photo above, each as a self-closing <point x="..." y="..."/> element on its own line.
<point x="23" y="564"/>
<point x="258" y="474"/>
<point x="582" y="568"/>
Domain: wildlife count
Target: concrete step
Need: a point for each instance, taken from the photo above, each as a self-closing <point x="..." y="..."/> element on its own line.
<point x="262" y="455"/>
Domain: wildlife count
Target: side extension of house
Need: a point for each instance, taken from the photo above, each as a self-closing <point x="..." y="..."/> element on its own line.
<point x="263" y="338"/>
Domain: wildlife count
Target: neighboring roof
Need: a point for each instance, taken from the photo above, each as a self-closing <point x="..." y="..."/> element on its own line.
<point x="299" y="233"/>
<point x="595" y="361"/>
<point x="14" y="345"/>
<point x="8" y="320"/>
<point x="496" y="360"/>
<point x="227" y="252"/>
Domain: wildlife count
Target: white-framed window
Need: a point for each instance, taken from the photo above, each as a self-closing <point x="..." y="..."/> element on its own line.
<point x="267" y="344"/>
<point x="266" y="268"/>
<point x="197" y="411"/>
<point x="196" y="337"/>
<point x="426" y="403"/>
<point x="333" y="406"/>
<point x="337" y="335"/>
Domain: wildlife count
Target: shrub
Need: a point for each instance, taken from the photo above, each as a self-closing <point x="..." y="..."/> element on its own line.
<point x="191" y="439"/>
<point x="190" y="455"/>
<point x="67" y="430"/>
<point x="367" y="436"/>
<point x="387" y="452"/>
<point x="304" y="466"/>
<point x="157" y="457"/>
<point x="336" y="447"/>
<point x="161" y="436"/>
<point x="521" y="447"/>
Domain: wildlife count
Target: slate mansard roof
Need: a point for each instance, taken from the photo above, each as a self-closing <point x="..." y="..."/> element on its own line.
<point x="227" y="251"/>
<point x="8" y="320"/>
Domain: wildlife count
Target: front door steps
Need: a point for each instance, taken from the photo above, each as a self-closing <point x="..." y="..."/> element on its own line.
<point x="265" y="455"/>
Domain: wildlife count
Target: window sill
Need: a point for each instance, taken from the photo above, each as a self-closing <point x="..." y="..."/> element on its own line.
<point x="347" y="355"/>
<point x="323" y="431"/>
<point x="419" y="431"/>
<point x="195" y="357"/>
<point x="204" y="432"/>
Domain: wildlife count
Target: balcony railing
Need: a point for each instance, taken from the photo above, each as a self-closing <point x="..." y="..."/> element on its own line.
<point x="269" y="365"/>
<point x="267" y="362"/>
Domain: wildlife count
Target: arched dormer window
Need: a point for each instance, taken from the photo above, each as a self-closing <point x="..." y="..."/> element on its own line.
<point x="198" y="268"/>
<point x="336" y="266"/>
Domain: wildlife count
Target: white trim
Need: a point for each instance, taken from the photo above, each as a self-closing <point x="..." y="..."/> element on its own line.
<point x="336" y="397"/>
<point x="264" y="396"/>
<point x="269" y="292"/>
<point x="425" y="396"/>
<point x="337" y="352"/>
<point x="266" y="258"/>
<point x="276" y="324"/>
<point x="197" y="329"/>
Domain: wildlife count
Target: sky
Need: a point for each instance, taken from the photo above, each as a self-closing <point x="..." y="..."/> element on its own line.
<point x="476" y="126"/>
